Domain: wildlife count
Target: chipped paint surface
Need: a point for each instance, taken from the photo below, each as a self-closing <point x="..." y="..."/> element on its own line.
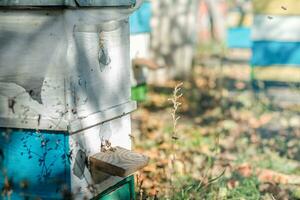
<point x="52" y="73"/>
<point x="57" y="72"/>
<point x="51" y="161"/>
<point x="43" y="158"/>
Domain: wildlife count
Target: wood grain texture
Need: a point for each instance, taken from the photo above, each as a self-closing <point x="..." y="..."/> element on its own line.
<point x="118" y="162"/>
<point x="89" y="141"/>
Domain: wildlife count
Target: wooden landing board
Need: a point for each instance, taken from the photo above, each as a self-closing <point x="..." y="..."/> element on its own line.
<point x="117" y="162"/>
<point x="144" y="62"/>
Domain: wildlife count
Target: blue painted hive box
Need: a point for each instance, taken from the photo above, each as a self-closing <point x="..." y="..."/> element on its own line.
<point x="140" y="29"/>
<point x="140" y="19"/>
<point x="239" y="23"/>
<point x="64" y="92"/>
<point x="239" y="37"/>
<point x="276" y="43"/>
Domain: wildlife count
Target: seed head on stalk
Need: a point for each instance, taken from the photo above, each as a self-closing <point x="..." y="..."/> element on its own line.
<point x="176" y="104"/>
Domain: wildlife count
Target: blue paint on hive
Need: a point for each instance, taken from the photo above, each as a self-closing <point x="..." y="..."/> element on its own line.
<point x="266" y="53"/>
<point x="239" y="37"/>
<point x="39" y="159"/>
<point x="140" y="19"/>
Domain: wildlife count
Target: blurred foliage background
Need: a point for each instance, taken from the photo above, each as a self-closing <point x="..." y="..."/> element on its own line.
<point x="232" y="140"/>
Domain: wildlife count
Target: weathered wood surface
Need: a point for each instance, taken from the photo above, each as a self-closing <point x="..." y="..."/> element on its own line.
<point x="62" y="66"/>
<point x="50" y="160"/>
<point x="118" y="161"/>
<point x="88" y="143"/>
<point x="68" y="69"/>
<point x="37" y="160"/>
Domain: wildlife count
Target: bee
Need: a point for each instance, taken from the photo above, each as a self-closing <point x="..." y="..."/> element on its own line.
<point x="106" y="146"/>
<point x="11" y="104"/>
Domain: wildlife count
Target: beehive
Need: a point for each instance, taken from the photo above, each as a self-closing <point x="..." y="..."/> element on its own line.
<point x="276" y="41"/>
<point x="239" y="22"/>
<point x="64" y="91"/>
<point x="174" y="37"/>
<point x="140" y="30"/>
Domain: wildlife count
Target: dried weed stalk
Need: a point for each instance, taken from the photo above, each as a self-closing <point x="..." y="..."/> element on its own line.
<point x="176" y="104"/>
<point x="175" y="117"/>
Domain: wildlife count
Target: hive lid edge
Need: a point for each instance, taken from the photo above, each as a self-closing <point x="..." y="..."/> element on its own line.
<point x="67" y="3"/>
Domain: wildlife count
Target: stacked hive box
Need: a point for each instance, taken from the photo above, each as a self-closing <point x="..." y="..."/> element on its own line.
<point x="276" y="41"/>
<point x="140" y="48"/>
<point x="64" y="90"/>
<point x="174" y="37"/>
<point x="239" y="21"/>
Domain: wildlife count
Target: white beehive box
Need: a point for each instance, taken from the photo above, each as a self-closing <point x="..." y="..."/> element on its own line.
<point x="63" y="68"/>
<point x="66" y="67"/>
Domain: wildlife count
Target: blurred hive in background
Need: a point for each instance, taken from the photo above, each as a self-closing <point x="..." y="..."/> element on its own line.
<point x="140" y="55"/>
<point x="238" y="35"/>
<point x="239" y="22"/>
<point x="276" y="41"/>
<point x="174" y="36"/>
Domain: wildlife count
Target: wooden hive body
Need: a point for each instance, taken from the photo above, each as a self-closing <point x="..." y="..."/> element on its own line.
<point x="276" y="42"/>
<point x="64" y="90"/>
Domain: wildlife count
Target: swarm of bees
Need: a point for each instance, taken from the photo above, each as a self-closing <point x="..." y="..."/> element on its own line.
<point x="106" y="146"/>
